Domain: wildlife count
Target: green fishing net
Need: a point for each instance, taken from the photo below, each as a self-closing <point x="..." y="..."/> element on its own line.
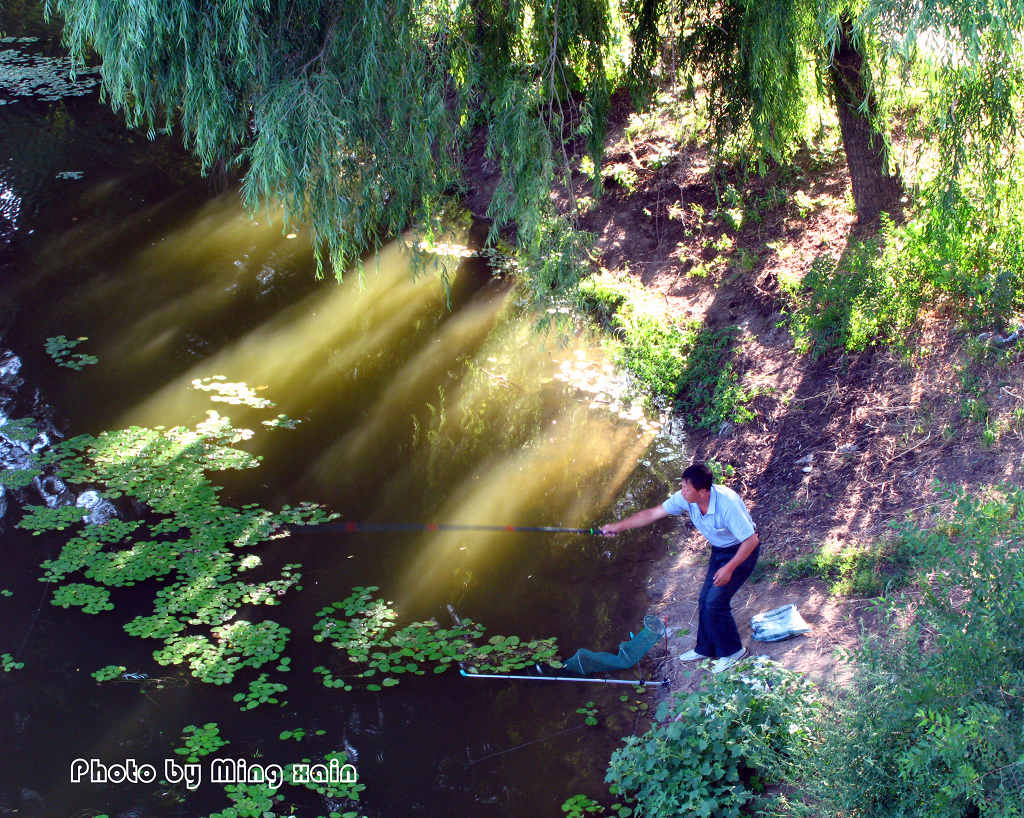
<point x="586" y="662"/>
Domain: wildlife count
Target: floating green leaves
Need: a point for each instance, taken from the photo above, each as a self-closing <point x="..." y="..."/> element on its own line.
<point x="189" y="544"/>
<point x="39" y="76"/>
<point x="249" y="800"/>
<point x="235" y="646"/>
<point x="331" y="777"/>
<point x="18" y="478"/>
<point x="200" y="741"/>
<point x="20" y="430"/>
<point x="589" y="713"/>
<point x="59" y="348"/>
<point x="9" y="663"/>
<point x="108" y="673"/>
<point x="281" y="422"/>
<point x="260" y="692"/>
<point x="91" y="598"/>
<point x="364" y="628"/>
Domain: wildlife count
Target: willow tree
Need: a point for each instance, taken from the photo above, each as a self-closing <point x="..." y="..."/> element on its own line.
<point x="762" y="62"/>
<point x="356" y="116"/>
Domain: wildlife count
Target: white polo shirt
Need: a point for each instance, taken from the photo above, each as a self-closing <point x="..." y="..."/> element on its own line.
<point x="727" y="522"/>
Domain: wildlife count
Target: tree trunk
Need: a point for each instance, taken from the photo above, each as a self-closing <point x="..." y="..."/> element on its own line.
<point x="873" y="190"/>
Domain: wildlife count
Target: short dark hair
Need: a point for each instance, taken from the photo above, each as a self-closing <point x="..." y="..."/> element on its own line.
<point x="699" y="476"/>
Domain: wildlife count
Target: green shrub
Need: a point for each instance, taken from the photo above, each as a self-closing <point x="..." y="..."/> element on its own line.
<point x="971" y="252"/>
<point x="962" y="252"/>
<point x="711" y="752"/>
<point x="933" y="726"/>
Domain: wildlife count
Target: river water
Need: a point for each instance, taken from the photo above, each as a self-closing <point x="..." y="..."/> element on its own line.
<point x="409" y="409"/>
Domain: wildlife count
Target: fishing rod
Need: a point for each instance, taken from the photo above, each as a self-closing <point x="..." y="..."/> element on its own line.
<point x="662" y="683"/>
<point x="356" y="528"/>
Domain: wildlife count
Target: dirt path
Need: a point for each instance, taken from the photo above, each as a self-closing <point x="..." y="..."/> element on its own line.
<point x="835" y="622"/>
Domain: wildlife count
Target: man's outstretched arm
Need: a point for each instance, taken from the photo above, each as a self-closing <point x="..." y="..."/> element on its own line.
<point x="638" y="520"/>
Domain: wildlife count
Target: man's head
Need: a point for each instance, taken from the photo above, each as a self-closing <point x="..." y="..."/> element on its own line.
<point x="696" y="482"/>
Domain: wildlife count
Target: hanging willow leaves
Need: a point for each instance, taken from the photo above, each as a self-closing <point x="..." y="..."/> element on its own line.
<point x="357" y="116"/>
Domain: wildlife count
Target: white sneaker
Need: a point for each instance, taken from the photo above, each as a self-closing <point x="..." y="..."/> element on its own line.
<point x="691" y="656"/>
<point x="727" y="662"/>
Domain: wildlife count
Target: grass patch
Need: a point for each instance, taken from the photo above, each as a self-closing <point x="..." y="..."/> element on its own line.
<point x="932" y="723"/>
<point x="687" y="363"/>
<point x="856" y="571"/>
<point x="865" y="299"/>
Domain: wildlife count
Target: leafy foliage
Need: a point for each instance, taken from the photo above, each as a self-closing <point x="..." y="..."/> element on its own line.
<point x="9" y="663"/>
<point x="965" y="255"/>
<point x="189" y="543"/>
<point x="589" y="713"/>
<point x="18" y="478"/>
<point x="90" y="598"/>
<point x="356" y="117"/>
<point x="200" y="741"/>
<point x="235" y="646"/>
<point x="688" y="363"/>
<point x="108" y="673"/>
<point x="326" y="777"/>
<point x="934" y="724"/>
<point x="711" y="751"/>
<point x="20" y="430"/>
<point x="866" y="299"/>
<point x="59" y="348"/>
<point x="260" y="691"/>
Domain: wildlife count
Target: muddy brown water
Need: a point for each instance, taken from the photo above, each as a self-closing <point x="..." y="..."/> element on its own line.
<point x="410" y="411"/>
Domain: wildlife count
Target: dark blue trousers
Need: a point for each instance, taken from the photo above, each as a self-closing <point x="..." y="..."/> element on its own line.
<point x="717" y="635"/>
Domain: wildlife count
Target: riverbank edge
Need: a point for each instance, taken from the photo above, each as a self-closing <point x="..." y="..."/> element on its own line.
<point x="841" y="447"/>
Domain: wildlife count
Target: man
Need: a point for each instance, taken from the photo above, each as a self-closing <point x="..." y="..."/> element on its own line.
<point x="721" y="516"/>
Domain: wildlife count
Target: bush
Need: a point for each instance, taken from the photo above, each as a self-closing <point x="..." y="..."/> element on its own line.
<point x="712" y="751"/>
<point x="962" y="253"/>
<point x="933" y="726"/>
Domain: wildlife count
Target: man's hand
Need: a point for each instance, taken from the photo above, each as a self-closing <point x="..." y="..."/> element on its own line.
<point x="638" y="520"/>
<point x="723" y="575"/>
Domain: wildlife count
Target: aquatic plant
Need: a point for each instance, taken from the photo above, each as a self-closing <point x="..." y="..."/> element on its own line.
<point x="224" y="391"/>
<point x="41" y="77"/>
<point x="200" y="741"/>
<point x="187" y="548"/>
<point x="9" y="663"/>
<point x="253" y="800"/>
<point x="59" y="348"/>
<point x="336" y="789"/>
<point x="260" y="691"/>
<point x="108" y="673"/>
<point x="281" y="422"/>
<point x="20" y="430"/>
<point x="91" y="598"/>
<point x="258" y="799"/>
<point x="235" y="646"/>
<point x="364" y="629"/>
<point x="188" y="544"/>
